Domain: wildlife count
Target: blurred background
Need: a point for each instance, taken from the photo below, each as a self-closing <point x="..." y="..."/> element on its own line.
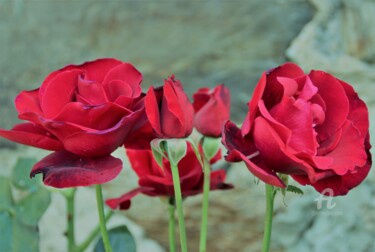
<point x="204" y="43"/>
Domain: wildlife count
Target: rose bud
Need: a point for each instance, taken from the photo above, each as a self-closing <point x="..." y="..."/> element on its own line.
<point x="313" y="127"/>
<point x="212" y="109"/>
<point x="169" y="110"/>
<point x="157" y="181"/>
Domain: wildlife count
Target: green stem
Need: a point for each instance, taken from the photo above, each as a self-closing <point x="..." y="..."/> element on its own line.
<point x="93" y="234"/>
<point x="70" y="219"/>
<point x="102" y="222"/>
<point x="172" y="232"/>
<point x="180" y="211"/>
<point x="268" y="221"/>
<point x="206" y="190"/>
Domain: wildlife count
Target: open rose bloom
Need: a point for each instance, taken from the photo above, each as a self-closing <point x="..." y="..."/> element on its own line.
<point x="83" y="112"/>
<point x="157" y="181"/>
<point x="313" y="127"/>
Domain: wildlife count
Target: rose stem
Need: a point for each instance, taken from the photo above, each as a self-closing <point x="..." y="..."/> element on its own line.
<point x="102" y="222"/>
<point x="70" y="196"/>
<point x="268" y="220"/>
<point x="206" y="190"/>
<point x="180" y="211"/>
<point x="172" y="233"/>
<point x="93" y="234"/>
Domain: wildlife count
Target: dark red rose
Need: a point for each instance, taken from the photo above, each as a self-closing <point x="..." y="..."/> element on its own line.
<point x="157" y="181"/>
<point x="313" y="127"/>
<point x="84" y="112"/>
<point x="169" y="110"/>
<point x="212" y="110"/>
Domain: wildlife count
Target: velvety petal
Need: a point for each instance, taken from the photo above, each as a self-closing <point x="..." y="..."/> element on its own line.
<point x="274" y="90"/>
<point x="274" y="153"/>
<point x="95" y="70"/>
<point x="232" y="139"/>
<point x="59" y="92"/>
<point x="307" y="88"/>
<point x="358" y="112"/>
<point x="32" y="135"/>
<point x="340" y="185"/>
<point x="329" y="144"/>
<point x="99" y="117"/>
<point x="116" y="88"/>
<point x="93" y="92"/>
<point x="177" y="112"/>
<point x="349" y="152"/>
<point x="124" y="201"/>
<point x="210" y="119"/>
<point x="336" y="101"/>
<point x="152" y="110"/>
<point x="28" y="101"/>
<point x="201" y="97"/>
<point x="290" y="85"/>
<point x="217" y="180"/>
<point x="101" y="142"/>
<point x="297" y="117"/>
<point x="126" y="73"/>
<point x="63" y="169"/>
<point x="140" y="137"/>
<point x="253" y="105"/>
<point x="143" y="163"/>
<point x="262" y="172"/>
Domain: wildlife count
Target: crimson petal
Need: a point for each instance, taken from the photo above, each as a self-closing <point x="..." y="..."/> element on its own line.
<point x="63" y="169"/>
<point x="123" y="202"/>
<point x="32" y="135"/>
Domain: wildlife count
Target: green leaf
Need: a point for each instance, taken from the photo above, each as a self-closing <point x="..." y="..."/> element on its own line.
<point x="6" y="200"/>
<point x="6" y="231"/>
<point x="210" y="147"/>
<point x="25" y="238"/>
<point x="17" y="237"/>
<point x="121" y="240"/>
<point x="294" y="189"/>
<point x="31" y="208"/>
<point x="20" y="175"/>
<point x="176" y="149"/>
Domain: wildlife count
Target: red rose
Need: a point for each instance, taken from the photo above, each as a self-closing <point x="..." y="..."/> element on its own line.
<point x="157" y="181"/>
<point x="313" y="127"/>
<point x="169" y="110"/>
<point x="212" y="109"/>
<point x="88" y="110"/>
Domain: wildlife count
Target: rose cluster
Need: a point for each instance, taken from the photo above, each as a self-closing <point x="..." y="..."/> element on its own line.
<point x="313" y="127"/>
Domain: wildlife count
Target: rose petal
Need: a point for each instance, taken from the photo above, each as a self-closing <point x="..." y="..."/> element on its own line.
<point x="297" y="117"/>
<point x="152" y="108"/>
<point x="201" y="97"/>
<point x="59" y="92"/>
<point x="124" y="201"/>
<point x="99" y="117"/>
<point x="32" y="135"/>
<point x="253" y="105"/>
<point x="336" y="101"/>
<point x="217" y="180"/>
<point x="358" y="112"/>
<point x="232" y="139"/>
<point x="176" y="112"/>
<point x="91" y="91"/>
<point x="63" y="169"/>
<point x="101" y="142"/>
<point x="274" y="91"/>
<point x="126" y="73"/>
<point x="95" y="70"/>
<point x="349" y="152"/>
<point x="28" y="101"/>
<point x="274" y="153"/>
<point x="259" y="170"/>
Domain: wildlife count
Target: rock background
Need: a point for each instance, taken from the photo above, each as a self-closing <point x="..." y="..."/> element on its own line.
<point x="203" y="43"/>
